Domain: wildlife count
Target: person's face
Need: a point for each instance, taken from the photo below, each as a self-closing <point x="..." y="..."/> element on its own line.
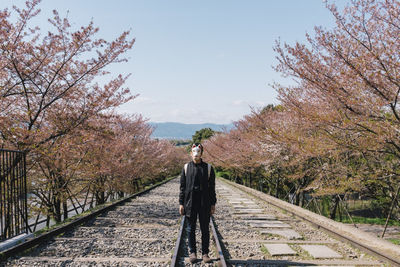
<point x="196" y="153"/>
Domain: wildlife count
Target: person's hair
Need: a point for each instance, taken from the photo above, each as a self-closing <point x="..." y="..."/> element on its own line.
<point x="198" y="145"/>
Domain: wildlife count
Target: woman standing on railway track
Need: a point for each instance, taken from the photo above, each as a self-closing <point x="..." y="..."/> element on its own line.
<point x="197" y="198"/>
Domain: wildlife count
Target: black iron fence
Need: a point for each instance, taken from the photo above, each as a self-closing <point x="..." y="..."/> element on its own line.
<point x="13" y="194"/>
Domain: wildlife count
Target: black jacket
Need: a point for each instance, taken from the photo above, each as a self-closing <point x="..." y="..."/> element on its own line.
<point x="207" y="184"/>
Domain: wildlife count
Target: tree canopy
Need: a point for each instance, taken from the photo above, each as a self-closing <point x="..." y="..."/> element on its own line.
<point x="202" y="134"/>
<point x="336" y="131"/>
<point x="54" y="107"/>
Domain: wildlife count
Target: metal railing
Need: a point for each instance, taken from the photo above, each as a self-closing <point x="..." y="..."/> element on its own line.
<point x="13" y="194"/>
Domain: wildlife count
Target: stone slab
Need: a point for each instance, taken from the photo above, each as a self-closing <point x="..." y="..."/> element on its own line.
<point x="241" y="213"/>
<point x="321" y="252"/>
<point x="280" y="250"/>
<point x="270" y="224"/>
<point x="287" y="233"/>
<point x="263" y="241"/>
<point x="257" y="218"/>
<point x="238" y="206"/>
<point x="249" y="203"/>
<point x="247" y="211"/>
<point x="251" y="206"/>
<point x="235" y="202"/>
<point x="261" y="222"/>
<point x="242" y="200"/>
<point x="275" y="262"/>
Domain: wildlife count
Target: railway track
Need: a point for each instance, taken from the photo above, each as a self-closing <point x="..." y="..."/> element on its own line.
<point x="138" y="232"/>
<point x="255" y="232"/>
<point x="249" y="231"/>
<point x="148" y="231"/>
<point x="180" y="256"/>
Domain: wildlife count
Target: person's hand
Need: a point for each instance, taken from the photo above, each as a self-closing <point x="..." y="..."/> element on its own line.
<point x="181" y="210"/>
<point x="212" y="211"/>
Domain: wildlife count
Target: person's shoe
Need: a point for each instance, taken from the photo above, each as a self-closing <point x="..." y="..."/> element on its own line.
<point x="206" y="259"/>
<point x="192" y="257"/>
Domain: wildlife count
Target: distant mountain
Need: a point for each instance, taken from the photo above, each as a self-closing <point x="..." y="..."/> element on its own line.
<point x="176" y="130"/>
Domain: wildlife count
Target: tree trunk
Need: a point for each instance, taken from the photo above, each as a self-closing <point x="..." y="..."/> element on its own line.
<point x="301" y="199"/>
<point x="332" y="214"/>
<point x="297" y="196"/>
<point x="57" y="210"/>
<point x="65" y="208"/>
<point x="277" y="188"/>
<point x="100" y="197"/>
<point x="136" y="183"/>
<point x="58" y="189"/>
<point x="250" y="180"/>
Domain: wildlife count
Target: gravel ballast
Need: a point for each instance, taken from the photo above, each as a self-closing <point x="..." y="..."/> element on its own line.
<point x="142" y="232"/>
<point x="244" y="243"/>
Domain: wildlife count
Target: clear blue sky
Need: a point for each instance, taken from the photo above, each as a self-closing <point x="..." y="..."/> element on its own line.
<point x="197" y="61"/>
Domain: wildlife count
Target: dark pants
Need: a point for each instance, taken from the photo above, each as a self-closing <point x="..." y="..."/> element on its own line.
<point x="204" y="218"/>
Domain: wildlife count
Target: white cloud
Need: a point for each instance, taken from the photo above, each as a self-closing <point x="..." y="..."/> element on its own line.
<point x="249" y="103"/>
<point x="144" y="100"/>
<point x="239" y="102"/>
<point x="260" y="103"/>
<point x="164" y="111"/>
<point x="195" y="116"/>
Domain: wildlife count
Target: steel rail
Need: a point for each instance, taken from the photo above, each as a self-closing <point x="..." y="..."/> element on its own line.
<point x="174" y="261"/>
<point x="340" y="236"/>
<point x="222" y="261"/>
<point x="64" y="228"/>
<point x="175" y="257"/>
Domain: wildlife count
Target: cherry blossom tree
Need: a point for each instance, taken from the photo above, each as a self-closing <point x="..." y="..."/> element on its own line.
<point x="336" y="130"/>
<point x="58" y="103"/>
<point x="348" y="84"/>
<point x="49" y="83"/>
<point x="107" y="157"/>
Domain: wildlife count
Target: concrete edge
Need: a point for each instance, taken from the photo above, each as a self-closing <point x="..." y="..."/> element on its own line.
<point x="351" y="233"/>
<point x="14" y="241"/>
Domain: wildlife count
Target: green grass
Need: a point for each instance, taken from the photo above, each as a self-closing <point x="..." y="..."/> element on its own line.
<point x="264" y="250"/>
<point x="395" y="241"/>
<point x="358" y="204"/>
<point x="223" y="174"/>
<point x="364" y="220"/>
